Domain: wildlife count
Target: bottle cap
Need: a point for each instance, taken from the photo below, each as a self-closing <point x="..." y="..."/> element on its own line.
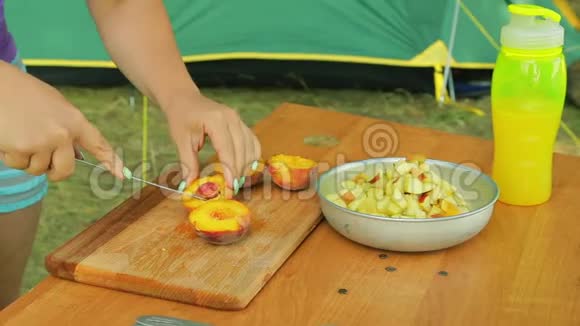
<point x="532" y="28"/>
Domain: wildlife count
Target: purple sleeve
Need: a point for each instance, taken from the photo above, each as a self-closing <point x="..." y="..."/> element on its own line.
<point x="7" y="45"/>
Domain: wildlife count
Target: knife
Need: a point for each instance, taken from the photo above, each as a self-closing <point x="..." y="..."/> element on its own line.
<point x="80" y="158"/>
<point x="166" y="321"/>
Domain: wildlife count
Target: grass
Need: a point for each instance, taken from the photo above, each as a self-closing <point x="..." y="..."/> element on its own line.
<point x="71" y="206"/>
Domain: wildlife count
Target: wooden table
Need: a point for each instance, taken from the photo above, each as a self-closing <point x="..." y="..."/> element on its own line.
<point x="522" y="269"/>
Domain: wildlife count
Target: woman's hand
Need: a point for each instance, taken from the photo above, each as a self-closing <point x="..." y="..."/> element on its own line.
<point x="39" y="129"/>
<point x="139" y="37"/>
<point x="192" y="116"/>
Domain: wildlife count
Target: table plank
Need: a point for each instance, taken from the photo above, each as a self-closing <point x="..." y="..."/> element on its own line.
<point x="523" y="268"/>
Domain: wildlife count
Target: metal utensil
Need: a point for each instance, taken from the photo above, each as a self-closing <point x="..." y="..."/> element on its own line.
<point x="145" y="181"/>
<point x="166" y="321"/>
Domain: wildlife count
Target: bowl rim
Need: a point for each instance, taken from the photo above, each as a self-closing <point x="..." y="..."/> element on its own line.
<point x="345" y="166"/>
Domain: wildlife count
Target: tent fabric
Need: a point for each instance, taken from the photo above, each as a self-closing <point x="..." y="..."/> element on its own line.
<point x="404" y="33"/>
<point x="356" y="35"/>
<point x="381" y="32"/>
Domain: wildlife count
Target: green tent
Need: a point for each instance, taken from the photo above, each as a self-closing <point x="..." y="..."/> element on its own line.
<point x="397" y="43"/>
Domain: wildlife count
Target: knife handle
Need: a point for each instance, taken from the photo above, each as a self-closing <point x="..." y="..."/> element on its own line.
<point x="79" y="154"/>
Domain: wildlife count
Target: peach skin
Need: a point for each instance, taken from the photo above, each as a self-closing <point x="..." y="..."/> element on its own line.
<point x="222" y="221"/>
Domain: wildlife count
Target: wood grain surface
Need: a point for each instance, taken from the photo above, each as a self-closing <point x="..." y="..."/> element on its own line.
<point x="147" y="246"/>
<point x="522" y="269"/>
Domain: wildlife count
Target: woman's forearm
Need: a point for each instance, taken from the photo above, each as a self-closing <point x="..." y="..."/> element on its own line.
<point x="140" y="40"/>
<point x="15" y="83"/>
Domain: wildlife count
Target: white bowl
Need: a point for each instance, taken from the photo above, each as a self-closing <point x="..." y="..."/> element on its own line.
<point x="411" y="234"/>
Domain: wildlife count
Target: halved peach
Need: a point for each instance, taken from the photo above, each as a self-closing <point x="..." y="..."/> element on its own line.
<point x="222" y="221"/>
<point x="292" y="172"/>
<point x="212" y="187"/>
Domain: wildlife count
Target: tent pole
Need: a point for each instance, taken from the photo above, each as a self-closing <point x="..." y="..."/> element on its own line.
<point x="446" y="73"/>
<point x="144" y="136"/>
<point x="451" y="88"/>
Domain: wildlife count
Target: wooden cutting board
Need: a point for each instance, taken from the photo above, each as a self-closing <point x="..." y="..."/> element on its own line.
<point x="147" y="246"/>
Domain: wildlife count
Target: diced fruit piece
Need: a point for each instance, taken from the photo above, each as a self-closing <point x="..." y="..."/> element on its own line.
<point x="334" y="198"/>
<point x="416" y="172"/>
<point x="380" y="184"/>
<point x="412" y="185"/>
<point x="292" y="172"/>
<point x="389" y="187"/>
<point x="398" y="198"/>
<point x="368" y="205"/>
<point x="449" y="208"/>
<point x="206" y="187"/>
<point x="410" y="200"/>
<point x="435" y="211"/>
<point x="397" y="194"/>
<point x="451" y="200"/>
<point x="352" y="194"/>
<point x="377" y="194"/>
<point x="394" y="209"/>
<point x="348" y="184"/>
<point x="446" y="189"/>
<point x="413" y="209"/>
<point x="340" y="203"/>
<point x="358" y="191"/>
<point x="390" y="173"/>
<point x="398" y="183"/>
<point x="379" y="176"/>
<point x="354" y="205"/>
<point x="347" y="196"/>
<point x="425" y="203"/>
<point x="221" y="221"/>
<point x="382" y="205"/>
<point x="436" y="193"/>
<point x="404" y="167"/>
<point x="360" y="178"/>
<point x="436" y="179"/>
<point x="365" y="186"/>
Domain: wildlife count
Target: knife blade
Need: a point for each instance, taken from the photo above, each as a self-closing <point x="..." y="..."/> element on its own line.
<point x="166" y="321"/>
<point x="191" y="195"/>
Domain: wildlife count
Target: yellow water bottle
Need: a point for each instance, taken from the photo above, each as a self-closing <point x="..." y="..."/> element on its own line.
<point x="528" y="91"/>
